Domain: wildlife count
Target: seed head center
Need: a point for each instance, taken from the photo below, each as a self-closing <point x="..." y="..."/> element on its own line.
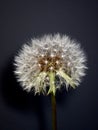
<point x="50" y="63"/>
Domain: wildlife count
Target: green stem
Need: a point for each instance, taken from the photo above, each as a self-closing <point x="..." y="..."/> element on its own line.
<point x="53" y="100"/>
<point x="52" y="83"/>
<point x="54" y="121"/>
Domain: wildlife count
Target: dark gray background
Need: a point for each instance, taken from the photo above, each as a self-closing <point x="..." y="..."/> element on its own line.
<point x="19" y="22"/>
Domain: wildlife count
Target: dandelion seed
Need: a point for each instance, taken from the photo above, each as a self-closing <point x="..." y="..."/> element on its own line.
<point x="49" y="57"/>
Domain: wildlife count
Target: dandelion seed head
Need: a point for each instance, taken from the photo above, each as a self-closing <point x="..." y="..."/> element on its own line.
<point x="51" y="54"/>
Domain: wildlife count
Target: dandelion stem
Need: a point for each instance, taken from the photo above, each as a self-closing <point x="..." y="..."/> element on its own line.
<point x="53" y="100"/>
<point x="54" y="120"/>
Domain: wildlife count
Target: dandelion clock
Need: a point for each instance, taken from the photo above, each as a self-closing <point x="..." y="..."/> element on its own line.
<point x="47" y="63"/>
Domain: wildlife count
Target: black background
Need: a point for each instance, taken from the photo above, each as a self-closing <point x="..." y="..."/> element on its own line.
<point x="19" y="22"/>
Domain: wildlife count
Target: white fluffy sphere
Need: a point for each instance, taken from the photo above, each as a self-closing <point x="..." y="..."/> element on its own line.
<point x="51" y="60"/>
